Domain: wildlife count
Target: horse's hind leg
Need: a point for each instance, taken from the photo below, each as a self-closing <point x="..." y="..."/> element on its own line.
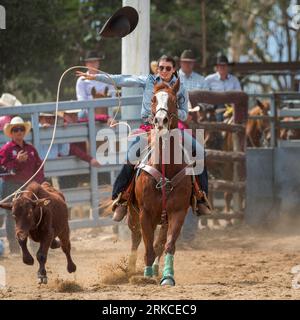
<point x="136" y="237"/>
<point x="159" y="246"/>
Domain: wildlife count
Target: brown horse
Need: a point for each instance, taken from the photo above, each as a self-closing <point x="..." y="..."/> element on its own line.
<point x="148" y="196"/>
<point x="258" y="129"/>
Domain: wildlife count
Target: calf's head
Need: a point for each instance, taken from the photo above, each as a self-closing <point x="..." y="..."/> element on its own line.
<point x="26" y="213"/>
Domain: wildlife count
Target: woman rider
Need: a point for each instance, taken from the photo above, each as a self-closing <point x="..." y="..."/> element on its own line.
<point x="166" y="73"/>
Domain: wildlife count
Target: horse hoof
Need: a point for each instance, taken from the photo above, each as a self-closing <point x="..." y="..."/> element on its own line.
<point x="43" y="280"/>
<point x="28" y="260"/>
<point x="155" y="269"/>
<point x="167" y="281"/>
<point x="71" y="268"/>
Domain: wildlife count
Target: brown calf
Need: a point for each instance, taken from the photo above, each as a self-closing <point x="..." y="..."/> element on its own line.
<point x="41" y="213"/>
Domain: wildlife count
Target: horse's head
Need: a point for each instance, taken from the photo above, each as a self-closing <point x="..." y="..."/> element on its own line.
<point x="164" y="106"/>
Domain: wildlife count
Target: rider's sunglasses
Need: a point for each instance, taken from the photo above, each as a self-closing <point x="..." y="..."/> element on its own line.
<point x="17" y="129"/>
<point x="167" y="68"/>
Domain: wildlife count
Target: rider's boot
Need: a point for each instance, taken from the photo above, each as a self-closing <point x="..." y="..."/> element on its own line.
<point x="119" y="208"/>
<point x="121" y="192"/>
<point x="203" y="207"/>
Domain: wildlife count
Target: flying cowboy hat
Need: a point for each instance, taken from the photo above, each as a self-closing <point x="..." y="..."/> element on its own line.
<point x="16" y="122"/>
<point x="121" y="23"/>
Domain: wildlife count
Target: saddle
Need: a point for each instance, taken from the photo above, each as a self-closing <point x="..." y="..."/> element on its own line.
<point x="197" y="193"/>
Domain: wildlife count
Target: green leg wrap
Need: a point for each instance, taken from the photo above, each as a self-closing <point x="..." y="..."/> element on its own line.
<point x="148" y="272"/>
<point x="169" y="266"/>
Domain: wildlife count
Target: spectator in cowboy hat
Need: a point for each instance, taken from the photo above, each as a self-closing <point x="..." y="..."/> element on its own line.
<point x="84" y="87"/>
<point x="222" y="80"/>
<point x="87" y="89"/>
<point x="22" y="158"/>
<point x="190" y="79"/>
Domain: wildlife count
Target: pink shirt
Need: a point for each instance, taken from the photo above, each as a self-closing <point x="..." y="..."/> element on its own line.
<point x="23" y="170"/>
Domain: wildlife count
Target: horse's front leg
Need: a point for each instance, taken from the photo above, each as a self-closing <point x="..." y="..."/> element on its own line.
<point x="176" y="220"/>
<point x="159" y="247"/>
<point x="148" y="228"/>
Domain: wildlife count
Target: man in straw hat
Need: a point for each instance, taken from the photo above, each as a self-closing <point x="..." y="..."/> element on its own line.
<point x="21" y="158"/>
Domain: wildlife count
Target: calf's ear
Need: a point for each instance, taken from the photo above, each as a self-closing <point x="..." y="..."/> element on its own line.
<point x="6" y="205"/>
<point x="42" y="202"/>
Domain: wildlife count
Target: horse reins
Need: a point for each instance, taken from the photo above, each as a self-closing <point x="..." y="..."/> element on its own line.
<point x="170" y="115"/>
<point x="164" y="217"/>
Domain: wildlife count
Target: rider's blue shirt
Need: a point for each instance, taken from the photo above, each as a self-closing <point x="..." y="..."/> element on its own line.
<point x="147" y="83"/>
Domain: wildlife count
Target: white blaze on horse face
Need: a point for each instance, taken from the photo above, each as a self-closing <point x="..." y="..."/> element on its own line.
<point x="161" y="116"/>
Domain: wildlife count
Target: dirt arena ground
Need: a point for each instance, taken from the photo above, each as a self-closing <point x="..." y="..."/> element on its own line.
<point x="233" y="263"/>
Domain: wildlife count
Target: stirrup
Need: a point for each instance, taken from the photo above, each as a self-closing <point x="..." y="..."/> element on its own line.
<point x="206" y="201"/>
<point x="118" y="202"/>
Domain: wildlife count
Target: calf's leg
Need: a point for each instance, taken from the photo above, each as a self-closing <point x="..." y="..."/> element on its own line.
<point x="66" y="248"/>
<point x="27" y="257"/>
<point x="41" y="256"/>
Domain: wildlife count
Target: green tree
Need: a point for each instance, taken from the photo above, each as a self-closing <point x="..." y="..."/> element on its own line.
<point x="44" y="38"/>
<point x="177" y="26"/>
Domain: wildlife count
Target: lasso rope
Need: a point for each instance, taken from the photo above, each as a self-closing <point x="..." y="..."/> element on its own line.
<point x="55" y="123"/>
